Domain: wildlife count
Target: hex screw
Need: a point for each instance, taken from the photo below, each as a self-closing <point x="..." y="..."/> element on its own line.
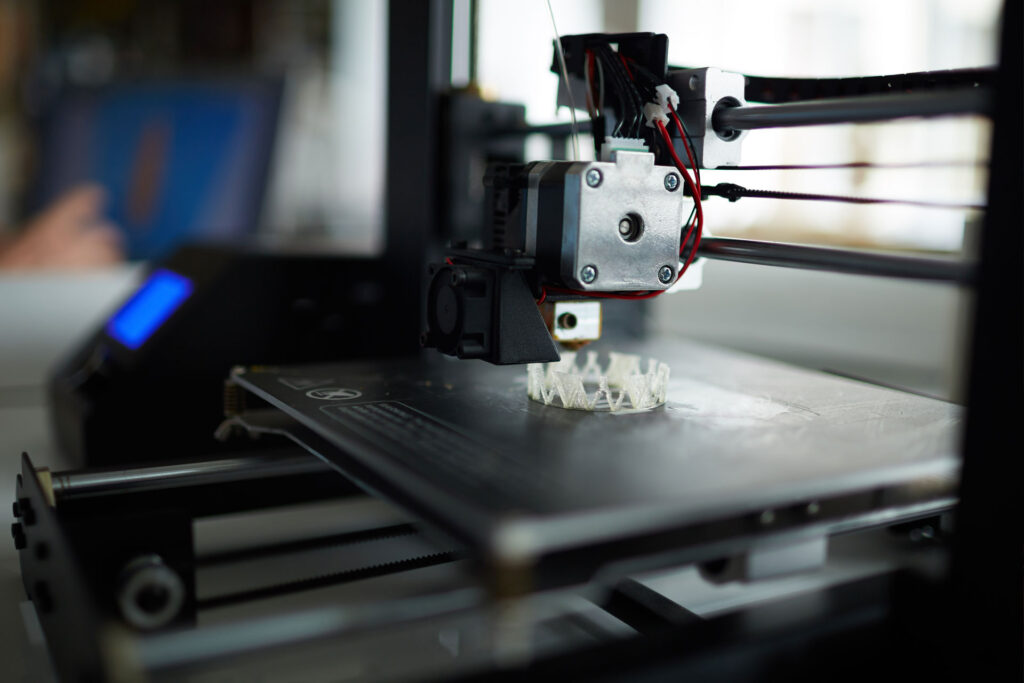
<point x="588" y="274"/>
<point x="594" y="177"/>
<point x="671" y="182"/>
<point x="665" y="274"/>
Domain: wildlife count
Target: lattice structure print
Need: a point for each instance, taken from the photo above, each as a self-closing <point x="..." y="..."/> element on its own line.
<point x="622" y="385"/>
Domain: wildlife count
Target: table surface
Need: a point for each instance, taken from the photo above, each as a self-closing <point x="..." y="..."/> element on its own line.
<point x="42" y="314"/>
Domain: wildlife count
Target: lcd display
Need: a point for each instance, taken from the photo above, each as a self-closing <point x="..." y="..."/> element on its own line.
<point x="148" y="308"/>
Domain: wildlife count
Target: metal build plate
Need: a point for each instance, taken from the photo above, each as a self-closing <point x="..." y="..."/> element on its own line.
<point x="631" y="187"/>
<point x="744" y="449"/>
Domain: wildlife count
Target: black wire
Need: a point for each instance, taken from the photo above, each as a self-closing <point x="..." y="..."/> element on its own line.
<point x="651" y="79"/>
<point x="653" y="82"/>
<point x="696" y="164"/>
<point x="860" y="164"/>
<point x="610" y="87"/>
<point x="687" y="246"/>
<point x="638" y="129"/>
<point x="733" y="192"/>
<point x="638" y="103"/>
<point x="618" y="89"/>
<point x="614" y="64"/>
<point x="648" y="85"/>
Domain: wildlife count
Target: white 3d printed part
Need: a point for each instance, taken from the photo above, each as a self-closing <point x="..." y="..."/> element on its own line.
<point x="622" y="386"/>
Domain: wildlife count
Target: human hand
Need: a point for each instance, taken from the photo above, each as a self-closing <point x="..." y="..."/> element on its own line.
<point x="70" y="233"/>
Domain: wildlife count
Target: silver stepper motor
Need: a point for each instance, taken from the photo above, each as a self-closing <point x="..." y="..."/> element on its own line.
<point x="605" y="226"/>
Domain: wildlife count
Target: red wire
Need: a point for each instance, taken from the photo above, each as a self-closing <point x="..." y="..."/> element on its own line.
<point x="686" y="142"/>
<point x="694" y="187"/>
<point x="625" y="63"/>
<point x="598" y="295"/>
<point x="590" y="69"/>
<point x="698" y="223"/>
<point x="693" y="165"/>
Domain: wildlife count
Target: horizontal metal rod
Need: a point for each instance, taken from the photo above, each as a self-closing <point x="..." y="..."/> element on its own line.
<point x="96" y="482"/>
<point x="854" y="109"/>
<point x="165" y="656"/>
<point x="836" y="260"/>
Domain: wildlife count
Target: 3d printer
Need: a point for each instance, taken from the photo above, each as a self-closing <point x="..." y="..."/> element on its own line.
<point x="551" y="520"/>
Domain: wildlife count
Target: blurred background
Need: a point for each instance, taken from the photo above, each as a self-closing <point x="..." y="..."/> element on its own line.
<point x="127" y="127"/>
<point x="223" y="119"/>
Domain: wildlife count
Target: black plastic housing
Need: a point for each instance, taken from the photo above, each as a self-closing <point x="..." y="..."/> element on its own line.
<point x="113" y="405"/>
<point x="484" y="308"/>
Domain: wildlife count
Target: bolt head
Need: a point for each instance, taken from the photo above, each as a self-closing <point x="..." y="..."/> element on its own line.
<point x="665" y="274"/>
<point x="594" y="177"/>
<point x="588" y="274"/>
<point x="672" y="182"/>
<point x="625" y="227"/>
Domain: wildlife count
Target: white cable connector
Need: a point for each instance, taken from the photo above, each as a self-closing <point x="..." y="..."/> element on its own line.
<point x="613" y="144"/>
<point x="665" y="96"/>
<point x="665" y="100"/>
<point x="654" y="112"/>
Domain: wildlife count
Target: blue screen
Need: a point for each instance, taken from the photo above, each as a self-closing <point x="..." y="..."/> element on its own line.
<point x="179" y="161"/>
<point x="149" y="307"/>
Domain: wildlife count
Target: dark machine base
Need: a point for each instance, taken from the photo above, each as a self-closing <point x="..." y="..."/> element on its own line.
<point x="113" y="404"/>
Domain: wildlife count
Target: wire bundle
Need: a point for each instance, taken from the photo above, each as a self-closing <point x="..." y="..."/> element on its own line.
<point x="632" y="86"/>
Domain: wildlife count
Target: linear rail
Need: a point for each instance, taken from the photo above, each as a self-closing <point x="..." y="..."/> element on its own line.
<point x="959" y="102"/>
<point x="837" y="260"/>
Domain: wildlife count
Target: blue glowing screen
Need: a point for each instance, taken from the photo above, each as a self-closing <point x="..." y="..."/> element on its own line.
<point x="149" y="307"/>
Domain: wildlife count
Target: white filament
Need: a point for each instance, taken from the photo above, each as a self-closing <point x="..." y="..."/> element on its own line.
<point x="568" y="88"/>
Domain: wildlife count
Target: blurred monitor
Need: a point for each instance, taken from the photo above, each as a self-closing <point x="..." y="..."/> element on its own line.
<point x="180" y="160"/>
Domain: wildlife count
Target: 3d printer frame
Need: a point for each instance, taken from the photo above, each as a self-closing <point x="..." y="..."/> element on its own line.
<point x="873" y="618"/>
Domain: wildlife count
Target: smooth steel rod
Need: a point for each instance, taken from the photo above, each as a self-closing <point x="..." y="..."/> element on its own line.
<point x="865" y="109"/>
<point x="85" y="483"/>
<point x="836" y="260"/>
